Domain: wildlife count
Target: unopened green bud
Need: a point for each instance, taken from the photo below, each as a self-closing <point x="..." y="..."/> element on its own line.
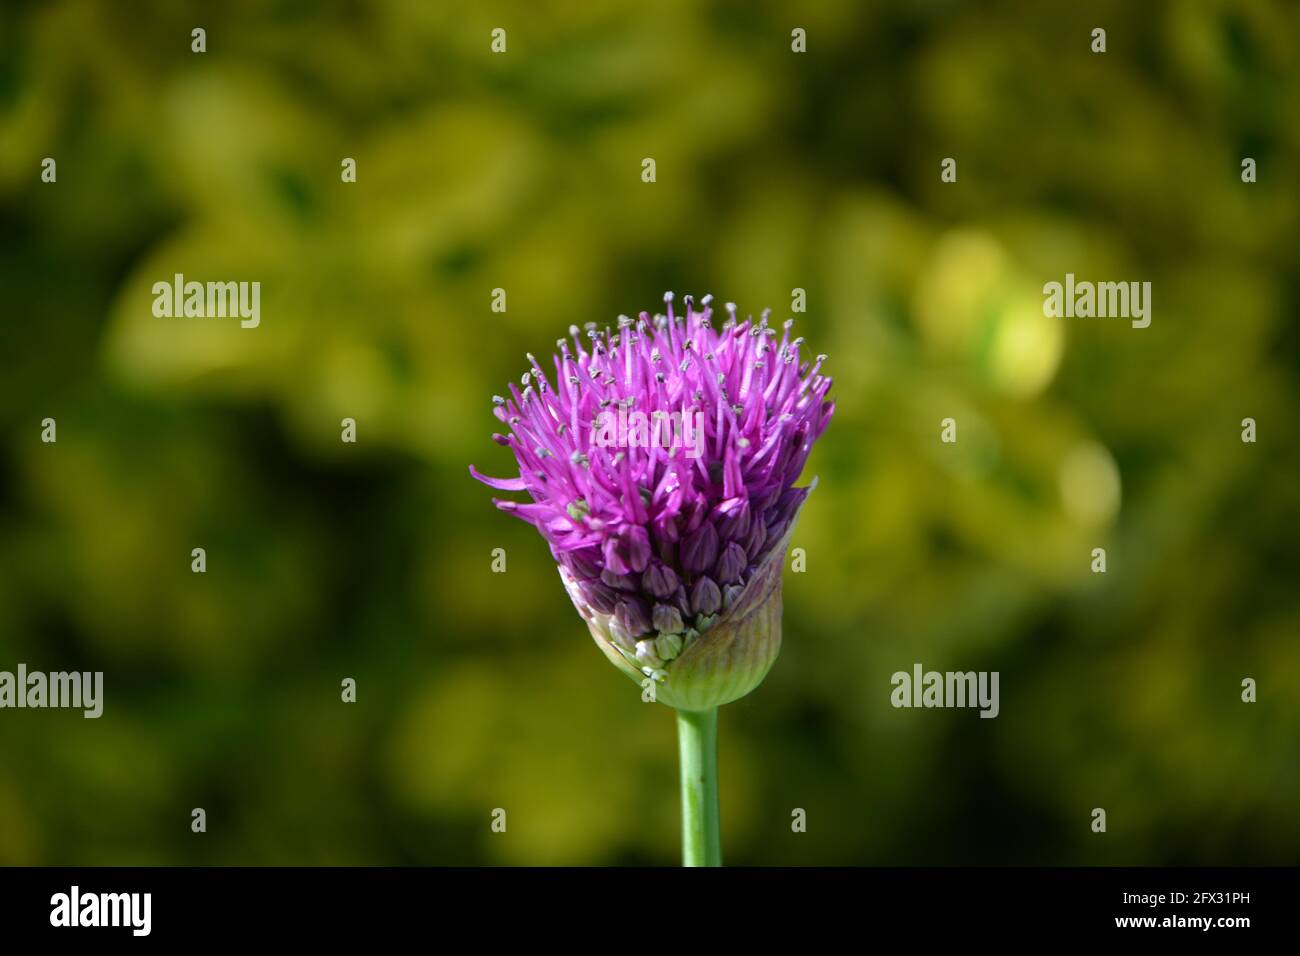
<point x="668" y="646"/>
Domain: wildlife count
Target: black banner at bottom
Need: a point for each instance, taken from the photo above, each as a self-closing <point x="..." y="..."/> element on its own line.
<point x="100" y="905"/>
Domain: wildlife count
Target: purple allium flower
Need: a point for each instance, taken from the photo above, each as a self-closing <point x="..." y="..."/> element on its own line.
<point x="661" y="466"/>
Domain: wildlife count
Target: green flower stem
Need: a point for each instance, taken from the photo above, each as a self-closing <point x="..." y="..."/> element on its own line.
<point x="697" y="739"/>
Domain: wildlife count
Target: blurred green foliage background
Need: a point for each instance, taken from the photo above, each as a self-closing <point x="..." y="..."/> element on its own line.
<point x="775" y="171"/>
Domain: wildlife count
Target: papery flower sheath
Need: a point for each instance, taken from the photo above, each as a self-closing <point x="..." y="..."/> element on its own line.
<point x="661" y="466"/>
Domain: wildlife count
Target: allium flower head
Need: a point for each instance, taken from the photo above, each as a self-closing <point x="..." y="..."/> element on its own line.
<point x="661" y="464"/>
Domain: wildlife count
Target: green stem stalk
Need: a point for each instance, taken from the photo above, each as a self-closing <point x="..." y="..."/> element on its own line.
<point x="697" y="739"/>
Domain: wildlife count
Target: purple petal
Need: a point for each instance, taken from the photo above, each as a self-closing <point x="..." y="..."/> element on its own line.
<point x="660" y="580"/>
<point x="732" y="564"/>
<point x="500" y="484"/>
<point x="705" y="597"/>
<point x="700" y="549"/>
